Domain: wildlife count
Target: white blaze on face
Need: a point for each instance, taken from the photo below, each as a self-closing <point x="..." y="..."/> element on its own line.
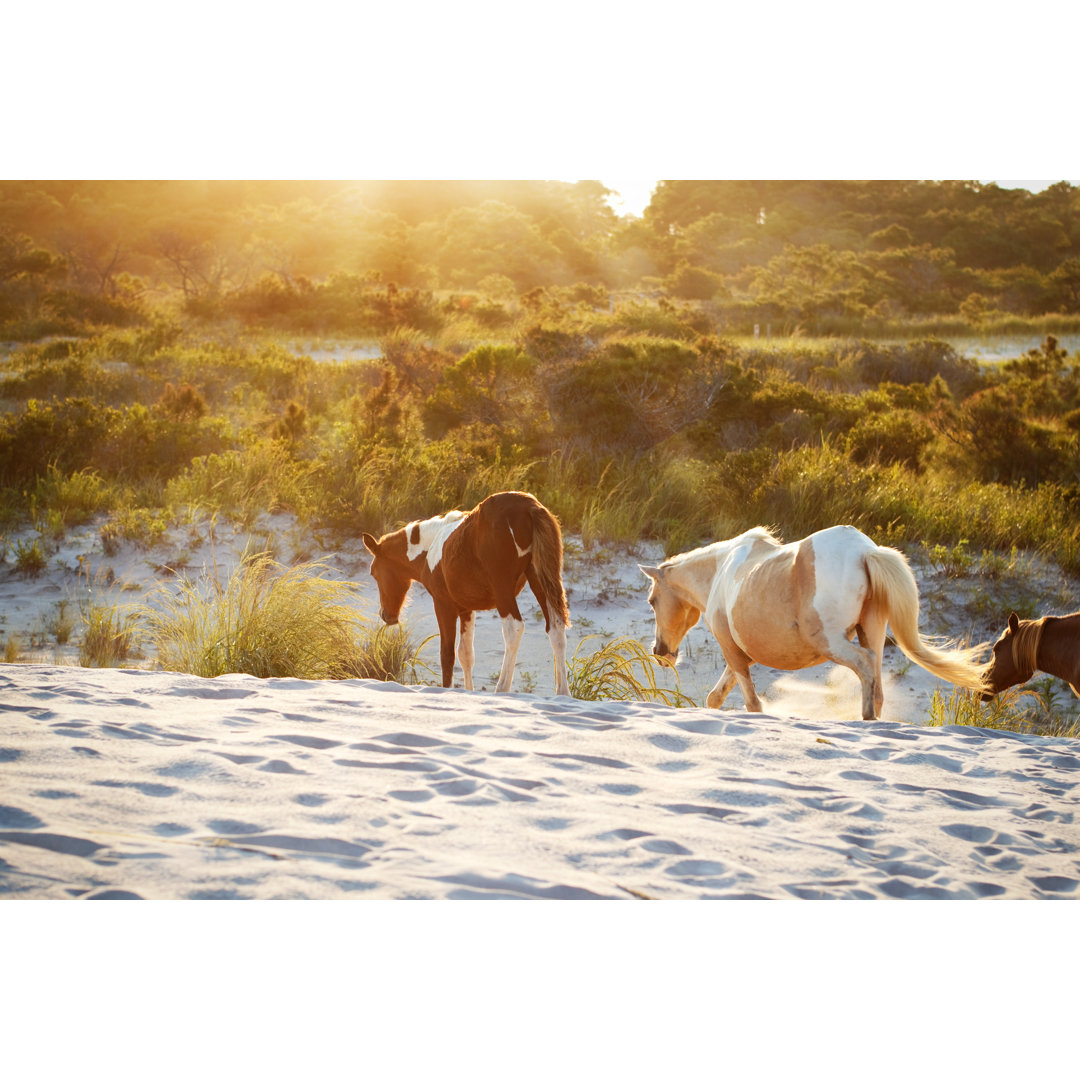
<point x="433" y="534"/>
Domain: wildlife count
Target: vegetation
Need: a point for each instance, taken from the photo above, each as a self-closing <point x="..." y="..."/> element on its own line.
<point x="620" y="670"/>
<point x="1034" y="710"/>
<point x="359" y="354"/>
<point x="110" y="630"/>
<point x="272" y="622"/>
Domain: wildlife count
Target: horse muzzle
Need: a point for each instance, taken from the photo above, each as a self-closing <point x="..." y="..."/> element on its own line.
<point x="665" y="655"/>
<point x="390" y="620"/>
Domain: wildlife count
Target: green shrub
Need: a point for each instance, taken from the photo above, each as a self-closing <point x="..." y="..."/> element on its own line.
<point x="631" y="393"/>
<point x="897" y="437"/>
<point x="241" y="484"/>
<point x="494" y="384"/>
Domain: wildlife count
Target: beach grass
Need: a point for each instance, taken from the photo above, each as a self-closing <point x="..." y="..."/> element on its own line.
<point x="1036" y="709"/>
<point x="272" y="621"/>
<point x="620" y="670"/>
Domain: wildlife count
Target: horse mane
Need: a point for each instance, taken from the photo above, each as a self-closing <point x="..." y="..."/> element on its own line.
<point x="769" y="533"/>
<point x="1025" y="644"/>
<point x="759" y="532"/>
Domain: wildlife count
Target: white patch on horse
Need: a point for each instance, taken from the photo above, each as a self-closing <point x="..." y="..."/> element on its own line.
<point x="433" y="534"/>
<point x="517" y="547"/>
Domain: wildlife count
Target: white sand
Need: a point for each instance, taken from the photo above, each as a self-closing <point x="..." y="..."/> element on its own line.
<point x="164" y="786"/>
<point x="157" y="785"/>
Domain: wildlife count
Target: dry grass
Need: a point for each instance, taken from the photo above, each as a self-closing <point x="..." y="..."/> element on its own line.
<point x="1031" y="710"/>
<point x="620" y="670"/>
<point x="273" y="622"/>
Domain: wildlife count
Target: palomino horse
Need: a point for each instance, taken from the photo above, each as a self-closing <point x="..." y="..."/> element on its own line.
<point x="474" y="562"/>
<point x="1050" y="644"/>
<point x="791" y="606"/>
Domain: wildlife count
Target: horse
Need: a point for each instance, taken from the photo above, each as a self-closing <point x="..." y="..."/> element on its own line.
<point x="792" y="606"/>
<point x="476" y="561"/>
<point x="1050" y="644"/>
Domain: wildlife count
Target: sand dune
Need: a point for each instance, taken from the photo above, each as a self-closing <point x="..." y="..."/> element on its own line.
<point x="128" y="783"/>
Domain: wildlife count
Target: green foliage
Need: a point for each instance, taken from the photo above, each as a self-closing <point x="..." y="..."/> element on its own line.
<point x="79" y="434"/>
<point x="952" y="561"/>
<point x="493" y="384"/>
<point x="243" y="484"/>
<point x="631" y="393"/>
<point x="889" y="437"/>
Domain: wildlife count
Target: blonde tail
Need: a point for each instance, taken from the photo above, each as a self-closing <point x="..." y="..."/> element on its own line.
<point x="893" y="589"/>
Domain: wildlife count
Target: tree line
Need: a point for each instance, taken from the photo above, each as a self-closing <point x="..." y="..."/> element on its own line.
<point x="816" y="256"/>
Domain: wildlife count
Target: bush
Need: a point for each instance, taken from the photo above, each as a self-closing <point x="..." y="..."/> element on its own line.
<point x="632" y="393"/>
<point x="110" y="632"/>
<point x="493" y="384"/>
<point x="892" y="437"/>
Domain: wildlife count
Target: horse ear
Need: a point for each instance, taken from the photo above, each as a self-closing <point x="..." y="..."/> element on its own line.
<point x="1014" y="622"/>
<point x="653" y="572"/>
<point x="371" y="543"/>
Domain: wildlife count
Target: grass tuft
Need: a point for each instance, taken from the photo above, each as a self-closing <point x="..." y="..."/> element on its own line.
<point x="620" y="670"/>
<point x="1033" y="710"/>
<point x="272" y="622"/>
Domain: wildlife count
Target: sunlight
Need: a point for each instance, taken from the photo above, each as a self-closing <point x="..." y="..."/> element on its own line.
<point x="632" y="196"/>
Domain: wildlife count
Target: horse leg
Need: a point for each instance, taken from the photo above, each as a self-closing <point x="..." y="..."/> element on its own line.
<point x="466" y="654"/>
<point x="721" y="690"/>
<point x="513" y="628"/>
<point x="865" y="664"/>
<point x="746" y="685"/>
<point x="557" y="637"/>
<point x="447" y="619"/>
<point x="556" y="633"/>
<point x="871" y="633"/>
<point x="737" y="670"/>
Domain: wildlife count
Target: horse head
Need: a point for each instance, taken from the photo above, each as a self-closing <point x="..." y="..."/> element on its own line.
<point x="1013" y="661"/>
<point x="390" y="569"/>
<point x="674" y="616"/>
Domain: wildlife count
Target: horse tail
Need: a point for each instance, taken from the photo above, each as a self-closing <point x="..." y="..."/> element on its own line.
<point x="894" y="590"/>
<point x="547" y="560"/>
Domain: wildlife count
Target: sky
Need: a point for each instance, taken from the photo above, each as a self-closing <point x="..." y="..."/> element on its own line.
<point x="447" y="91"/>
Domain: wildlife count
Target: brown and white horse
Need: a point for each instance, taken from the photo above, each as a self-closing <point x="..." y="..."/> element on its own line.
<point x="792" y="606"/>
<point x="1050" y="644"/>
<point x="473" y="562"/>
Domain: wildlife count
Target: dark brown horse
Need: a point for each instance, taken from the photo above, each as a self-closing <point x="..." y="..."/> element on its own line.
<point x="474" y="562"/>
<point x="1050" y="644"/>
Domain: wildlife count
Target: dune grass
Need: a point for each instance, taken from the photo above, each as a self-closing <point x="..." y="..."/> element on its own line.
<point x="1035" y="709"/>
<point x="110" y="635"/>
<point x="387" y="653"/>
<point x="620" y="670"/>
<point x="271" y="621"/>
